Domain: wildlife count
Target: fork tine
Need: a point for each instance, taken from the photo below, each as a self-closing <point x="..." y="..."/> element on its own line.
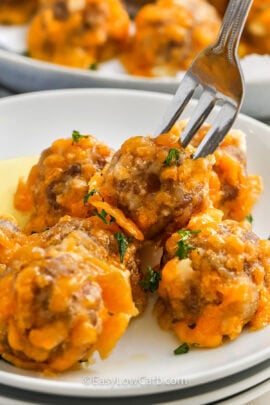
<point x="176" y="107"/>
<point x="221" y="126"/>
<point x="205" y="105"/>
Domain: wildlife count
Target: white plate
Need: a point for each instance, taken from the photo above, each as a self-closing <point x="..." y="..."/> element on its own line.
<point x="259" y="393"/>
<point x="235" y="390"/>
<point x="143" y="361"/>
<point x="25" y="74"/>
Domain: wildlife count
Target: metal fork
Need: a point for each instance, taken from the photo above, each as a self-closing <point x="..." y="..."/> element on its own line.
<point x="217" y="71"/>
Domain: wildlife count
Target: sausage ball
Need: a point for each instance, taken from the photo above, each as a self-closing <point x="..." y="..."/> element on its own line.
<point x="232" y="189"/>
<point x="256" y="36"/>
<point x="215" y="281"/>
<point x="58" y="183"/>
<point x="78" y="33"/>
<point x="168" y="35"/>
<point x="112" y="246"/>
<point x="64" y="297"/>
<point x="155" y="182"/>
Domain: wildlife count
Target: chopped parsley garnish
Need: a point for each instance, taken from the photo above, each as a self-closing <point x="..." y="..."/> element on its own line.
<point x="249" y="218"/>
<point x="103" y="216"/>
<point x="151" y="281"/>
<point x="93" y="66"/>
<point x="45" y="229"/>
<point x="76" y="136"/>
<point x="123" y="243"/>
<point x="42" y="230"/>
<point x="173" y="156"/>
<point x="90" y="194"/>
<point x="183" y="247"/>
<point x="182" y="349"/>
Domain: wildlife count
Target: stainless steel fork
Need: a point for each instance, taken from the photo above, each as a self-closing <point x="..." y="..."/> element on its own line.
<point x="216" y="70"/>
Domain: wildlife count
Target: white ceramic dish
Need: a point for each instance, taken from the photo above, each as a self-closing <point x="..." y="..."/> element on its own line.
<point x="235" y="390"/>
<point x="143" y="362"/>
<point x="24" y="74"/>
<point x="259" y="394"/>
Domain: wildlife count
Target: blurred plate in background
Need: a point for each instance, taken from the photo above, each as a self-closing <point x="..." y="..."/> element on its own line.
<point x="23" y="74"/>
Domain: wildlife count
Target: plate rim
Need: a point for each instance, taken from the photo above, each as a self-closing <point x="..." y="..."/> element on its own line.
<point x="119" y="78"/>
<point x="145" y="94"/>
<point x="121" y="92"/>
<point x="257" y="375"/>
<point x="56" y="68"/>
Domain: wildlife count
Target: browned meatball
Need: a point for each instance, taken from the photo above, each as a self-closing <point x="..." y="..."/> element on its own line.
<point x="155" y="182"/>
<point x="79" y="33"/>
<point x="256" y="36"/>
<point x="168" y="35"/>
<point x="58" y="183"/>
<point x="233" y="190"/>
<point x="215" y="281"/>
<point x="104" y="246"/>
<point x="66" y="294"/>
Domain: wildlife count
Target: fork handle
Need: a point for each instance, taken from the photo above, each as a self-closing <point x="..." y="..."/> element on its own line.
<point x="232" y="27"/>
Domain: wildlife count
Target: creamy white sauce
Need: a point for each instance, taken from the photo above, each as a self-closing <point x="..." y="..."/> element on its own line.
<point x="10" y="172"/>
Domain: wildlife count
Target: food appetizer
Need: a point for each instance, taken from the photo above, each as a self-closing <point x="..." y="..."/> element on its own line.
<point x="64" y="295"/>
<point x="149" y="38"/>
<point x="57" y="184"/>
<point x="215" y="280"/>
<point x="83" y="266"/>
<point x="78" y="33"/>
<point x="168" y="35"/>
<point x="256" y="37"/>
<point x="257" y="33"/>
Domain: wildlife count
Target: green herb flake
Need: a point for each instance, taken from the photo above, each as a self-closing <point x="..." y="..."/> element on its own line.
<point x="183" y="247"/>
<point x="76" y="136"/>
<point x="249" y="218"/>
<point x="173" y="156"/>
<point x="103" y="216"/>
<point x="151" y="281"/>
<point x="123" y="243"/>
<point x="45" y="229"/>
<point x="42" y="230"/>
<point x="93" y="66"/>
<point x="90" y="194"/>
<point x="182" y="349"/>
